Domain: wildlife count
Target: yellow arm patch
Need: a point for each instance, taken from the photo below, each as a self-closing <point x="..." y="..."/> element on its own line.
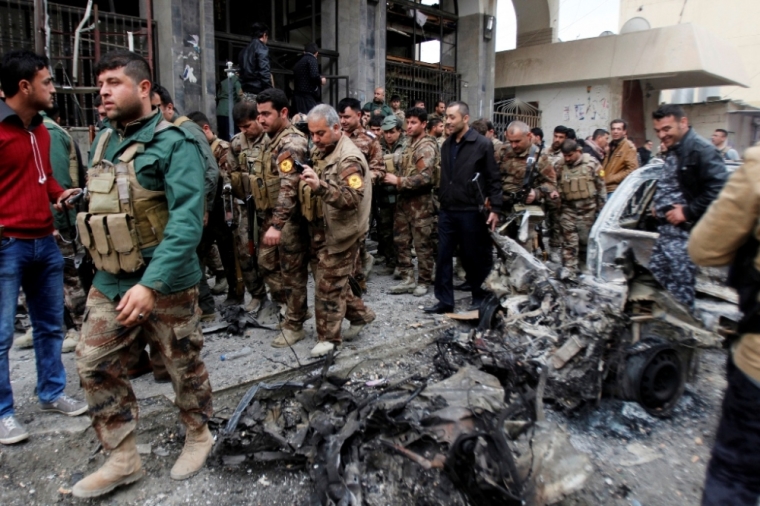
<point x="355" y="181"/>
<point x="286" y="166"/>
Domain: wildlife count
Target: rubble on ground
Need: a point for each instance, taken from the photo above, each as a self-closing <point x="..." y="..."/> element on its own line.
<point x="470" y="426"/>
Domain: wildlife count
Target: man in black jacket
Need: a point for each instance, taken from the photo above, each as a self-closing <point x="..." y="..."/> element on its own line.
<point x="470" y="196"/>
<point x="255" y="76"/>
<point x="693" y="176"/>
<point x="308" y="82"/>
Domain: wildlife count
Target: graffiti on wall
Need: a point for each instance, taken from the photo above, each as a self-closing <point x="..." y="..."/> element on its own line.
<point x="587" y="115"/>
<point x="190" y="57"/>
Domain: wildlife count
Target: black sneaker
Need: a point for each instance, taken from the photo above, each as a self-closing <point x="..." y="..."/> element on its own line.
<point x="11" y="431"/>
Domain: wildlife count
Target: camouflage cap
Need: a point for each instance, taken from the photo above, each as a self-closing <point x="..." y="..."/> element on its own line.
<point x="390" y="122"/>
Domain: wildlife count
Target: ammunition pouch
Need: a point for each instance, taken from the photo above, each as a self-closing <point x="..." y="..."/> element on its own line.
<point x="390" y="166"/>
<point x="123" y="218"/>
<point x="112" y="242"/>
<point x="311" y="205"/>
<point x="578" y="187"/>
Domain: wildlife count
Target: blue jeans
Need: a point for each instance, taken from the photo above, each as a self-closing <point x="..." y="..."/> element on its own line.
<point x="36" y="265"/>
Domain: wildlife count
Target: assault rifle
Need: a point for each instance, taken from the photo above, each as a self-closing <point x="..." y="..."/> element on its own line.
<point x="530" y="175"/>
<point x="485" y="203"/>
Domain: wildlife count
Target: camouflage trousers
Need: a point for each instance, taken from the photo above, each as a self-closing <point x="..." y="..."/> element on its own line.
<point x="553" y="209"/>
<point x="671" y="265"/>
<point x="384" y="223"/>
<point x="249" y="97"/>
<point x="384" y="212"/>
<point x="285" y="268"/>
<point x="576" y="221"/>
<point x="173" y="329"/>
<point x="214" y="259"/>
<point x="246" y="256"/>
<point x="333" y="298"/>
<point x="73" y="294"/>
<point x="362" y="258"/>
<point x="413" y="224"/>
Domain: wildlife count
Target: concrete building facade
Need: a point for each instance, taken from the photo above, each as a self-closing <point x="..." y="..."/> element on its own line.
<point x="734" y="21"/>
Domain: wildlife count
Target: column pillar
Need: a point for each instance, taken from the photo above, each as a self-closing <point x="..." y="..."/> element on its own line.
<point x="187" y="61"/>
<point x="476" y="56"/>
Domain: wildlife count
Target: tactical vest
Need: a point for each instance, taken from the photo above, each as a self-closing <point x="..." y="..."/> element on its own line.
<point x="343" y="227"/>
<point x="578" y="180"/>
<point x="123" y="218"/>
<point x="408" y="167"/>
<point x="267" y="184"/>
<point x="252" y="158"/>
<point x="73" y="161"/>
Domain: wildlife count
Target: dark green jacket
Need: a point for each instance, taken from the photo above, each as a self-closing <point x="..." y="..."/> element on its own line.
<point x="223" y="97"/>
<point x="172" y="163"/>
<point x="60" y="159"/>
<point x="212" y="169"/>
<point x="371" y="106"/>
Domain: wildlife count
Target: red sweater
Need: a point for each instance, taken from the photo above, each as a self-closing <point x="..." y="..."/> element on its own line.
<point x="26" y="177"/>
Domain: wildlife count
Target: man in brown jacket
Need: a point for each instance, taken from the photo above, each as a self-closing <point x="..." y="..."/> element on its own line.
<point x="728" y="233"/>
<point x="621" y="159"/>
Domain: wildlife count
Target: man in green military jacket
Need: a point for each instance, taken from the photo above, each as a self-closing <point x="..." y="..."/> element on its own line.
<point x="144" y="284"/>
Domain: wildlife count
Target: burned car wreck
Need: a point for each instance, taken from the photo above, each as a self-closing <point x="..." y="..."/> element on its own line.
<point x="467" y="424"/>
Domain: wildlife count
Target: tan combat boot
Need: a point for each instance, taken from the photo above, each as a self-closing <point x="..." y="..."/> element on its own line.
<point x="122" y="467"/>
<point x="198" y="444"/>
<point x="288" y="337"/>
<point x="406" y="286"/>
<point x="420" y="290"/>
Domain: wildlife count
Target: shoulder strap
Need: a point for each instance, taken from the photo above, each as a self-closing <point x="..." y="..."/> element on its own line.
<point x="163" y="124"/>
<point x="100" y="149"/>
<point x="180" y="120"/>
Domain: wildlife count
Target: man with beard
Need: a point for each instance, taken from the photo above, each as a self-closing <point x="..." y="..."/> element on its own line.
<point x="597" y="145"/>
<point x="467" y="159"/>
<point x="414" y="217"/>
<point x="29" y="257"/>
<point x="582" y="191"/>
<point x="245" y="160"/>
<point x="378" y="105"/>
<point x="148" y="286"/>
<point x="622" y="158"/>
<point x="435" y="128"/>
<point x="340" y="197"/>
<point x="439" y="111"/>
<point x="512" y="159"/>
<point x="285" y="246"/>
<point x="552" y="206"/>
<point x="349" y="112"/>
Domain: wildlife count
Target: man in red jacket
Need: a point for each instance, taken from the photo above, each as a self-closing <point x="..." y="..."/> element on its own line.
<point x="29" y="256"/>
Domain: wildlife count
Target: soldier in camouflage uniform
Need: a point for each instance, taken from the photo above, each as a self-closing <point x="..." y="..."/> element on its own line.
<point x="349" y="110"/>
<point x="65" y="162"/>
<point x="512" y="160"/>
<point x="385" y="195"/>
<point x="285" y="245"/>
<point x="583" y="194"/>
<point x="129" y="298"/>
<point x="218" y="233"/>
<point x="553" y="206"/>
<point x="336" y="197"/>
<point x="414" y="218"/>
<point x="435" y="128"/>
<point x="243" y="158"/>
